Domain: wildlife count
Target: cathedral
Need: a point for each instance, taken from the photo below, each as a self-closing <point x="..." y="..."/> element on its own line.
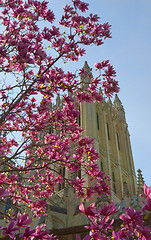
<point x="106" y="123"/>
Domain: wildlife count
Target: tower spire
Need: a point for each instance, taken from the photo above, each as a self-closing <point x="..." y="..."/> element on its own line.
<point x="86" y="76"/>
<point x="140" y="182"/>
<point x="117" y="105"/>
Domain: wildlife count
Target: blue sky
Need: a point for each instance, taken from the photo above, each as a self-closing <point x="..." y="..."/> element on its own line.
<point x="129" y="51"/>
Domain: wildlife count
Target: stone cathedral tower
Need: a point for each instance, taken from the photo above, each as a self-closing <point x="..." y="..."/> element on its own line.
<point x="104" y="122"/>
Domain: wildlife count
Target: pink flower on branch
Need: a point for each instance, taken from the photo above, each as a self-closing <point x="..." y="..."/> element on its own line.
<point x="147" y="191"/>
<point x="107" y="210"/>
<point x="10" y="230"/>
<point x="147" y="205"/>
<point x="88" y="211"/>
<point x="23" y="220"/>
<point x="28" y="233"/>
<point x="42" y="234"/>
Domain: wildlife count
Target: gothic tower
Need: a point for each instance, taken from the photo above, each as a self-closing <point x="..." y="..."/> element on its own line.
<point x="105" y="122"/>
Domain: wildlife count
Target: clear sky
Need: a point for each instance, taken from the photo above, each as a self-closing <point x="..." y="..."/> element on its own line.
<point x="129" y="51"/>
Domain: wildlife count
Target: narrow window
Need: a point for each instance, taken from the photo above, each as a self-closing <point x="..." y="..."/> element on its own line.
<point x="108" y="132"/>
<point x="125" y="189"/>
<point x="113" y="177"/>
<point x="101" y="165"/>
<point x="78" y="174"/>
<point x="78" y="119"/>
<point x="62" y="173"/>
<point x="118" y="141"/>
<point x="97" y="121"/>
<point x="50" y="130"/>
<point x="114" y="182"/>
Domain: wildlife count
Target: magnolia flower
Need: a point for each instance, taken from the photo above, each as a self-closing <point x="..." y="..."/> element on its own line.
<point x="42" y="235"/>
<point x="108" y="210"/>
<point x="89" y="211"/>
<point x="147" y="190"/>
<point x="147" y="205"/>
<point x="23" y="220"/>
<point x="28" y="233"/>
<point x="10" y="229"/>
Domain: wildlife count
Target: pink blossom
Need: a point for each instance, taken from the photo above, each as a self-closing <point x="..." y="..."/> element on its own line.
<point x="10" y="230"/>
<point x="42" y="234"/>
<point x="83" y="6"/>
<point x="89" y="211"/>
<point x="108" y="210"/>
<point x="50" y="16"/>
<point x="148" y="204"/>
<point x="147" y="190"/>
<point x="23" y="220"/>
<point x="28" y="233"/>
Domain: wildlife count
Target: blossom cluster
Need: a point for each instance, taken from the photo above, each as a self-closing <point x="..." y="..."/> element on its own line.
<point x="37" y="139"/>
<point x="101" y="227"/>
<point x="131" y="227"/>
<point x="22" y="221"/>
